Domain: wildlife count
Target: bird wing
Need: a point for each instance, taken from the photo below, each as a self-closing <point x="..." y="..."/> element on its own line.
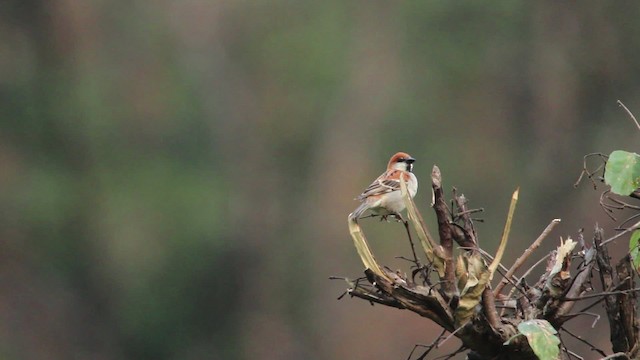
<point x="385" y="183"/>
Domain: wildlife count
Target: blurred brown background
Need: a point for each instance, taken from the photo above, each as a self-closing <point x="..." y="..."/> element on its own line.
<point x="176" y="175"/>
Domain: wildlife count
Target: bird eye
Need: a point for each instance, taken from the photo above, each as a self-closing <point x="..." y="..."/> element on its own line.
<point x="401" y="160"/>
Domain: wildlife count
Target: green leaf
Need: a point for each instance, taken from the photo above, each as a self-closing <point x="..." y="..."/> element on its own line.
<point x="542" y="338"/>
<point x="634" y="251"/>
<point x="622" y="172"/>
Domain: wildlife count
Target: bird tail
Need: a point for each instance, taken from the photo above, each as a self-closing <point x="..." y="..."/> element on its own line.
<point x="355" y="215"/>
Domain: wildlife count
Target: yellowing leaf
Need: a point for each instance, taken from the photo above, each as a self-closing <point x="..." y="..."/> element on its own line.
<point x="461" y="271"/>
<point x="471" y="294"/>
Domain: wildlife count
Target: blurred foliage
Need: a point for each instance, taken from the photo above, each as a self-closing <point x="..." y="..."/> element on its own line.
<point x="176" y="175"/>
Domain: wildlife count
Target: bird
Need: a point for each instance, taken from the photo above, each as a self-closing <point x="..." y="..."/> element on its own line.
<point x="384" y="197"/>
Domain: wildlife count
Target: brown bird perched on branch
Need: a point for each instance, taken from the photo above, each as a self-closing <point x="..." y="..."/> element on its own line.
<point x="384" y="197"/>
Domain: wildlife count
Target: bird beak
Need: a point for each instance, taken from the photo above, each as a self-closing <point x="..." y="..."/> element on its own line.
<point x="410" y="160"/>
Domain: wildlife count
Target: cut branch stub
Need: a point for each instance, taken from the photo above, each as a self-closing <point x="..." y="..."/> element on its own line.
<point x="505" y="234"/>
<point x="364" y="251"/>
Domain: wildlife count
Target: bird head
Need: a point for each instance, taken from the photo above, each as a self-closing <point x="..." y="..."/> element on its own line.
<point x="401" y="161"/>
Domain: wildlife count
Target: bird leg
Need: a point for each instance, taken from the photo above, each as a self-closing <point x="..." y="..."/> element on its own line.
<point x="368" y="216"/>
<point x="382" y="217"/>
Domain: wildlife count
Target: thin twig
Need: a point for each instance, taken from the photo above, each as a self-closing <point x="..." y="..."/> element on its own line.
<point x="601" y="294"/>
<point x="429" y="347"/>
<point x="524" y="276"/>
<point x="567" y="351"/>
<point x="413" y="248"/>
<point x="490" y="257"/>
<point x="629" y="112"/>
<point x="600" y="300"/>
<point x="634" y="227"/>
<point x="449" y="356"/>
<point x="534" y="266"/>
<point x="586" y="171"/>
<point x="516" y="265"/>
<point x="624" y="205"/>
<point x="618" y="355"/>
<point x="574" y="354"/>
<point x="469" y="211"/>
<point x="571" y="316"/>
<point x="608" y="208"/>
<point x="450" y="336"/>
<point x="512" y="283"/>
<point x="621" y="226"/>
<point x="593" y="348"/>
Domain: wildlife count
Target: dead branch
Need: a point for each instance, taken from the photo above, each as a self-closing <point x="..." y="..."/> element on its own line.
<point x="445" y="231"/>
<point x="490" y="309"/>
<point x="462" y="302"/>
<point x="579" y="338"/>
<point x="419" y="299"/>
<point x="626" y="304"/>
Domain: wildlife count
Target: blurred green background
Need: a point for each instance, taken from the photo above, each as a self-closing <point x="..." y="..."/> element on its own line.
<point x="176" y="175"/>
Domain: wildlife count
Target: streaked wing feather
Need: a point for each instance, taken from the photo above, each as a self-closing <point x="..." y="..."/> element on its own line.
<point x="381" y="185"/>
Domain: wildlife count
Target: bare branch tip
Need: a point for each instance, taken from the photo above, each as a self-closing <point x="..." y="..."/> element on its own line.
<point x="629" y="113"/>
<point x="436" y="176"/>
<point x="435" y="172"/>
